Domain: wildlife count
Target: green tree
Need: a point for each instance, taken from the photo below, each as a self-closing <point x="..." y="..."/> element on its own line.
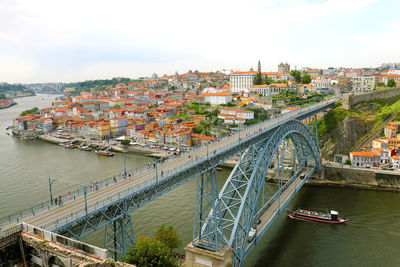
<point x="125" y="142"/>
<point x="3" y="96"/>
<point x="30" y="111"/>
<point x="258" y="79"/>
<point x="296" y="75"/>
<point x="150" y="252"/>
<point x="391" y="83"/>
<point x="168" y="236"/>
<point x="381" y="84"/>
<point x="306" y="79"/>
<point x="267" y="80"/>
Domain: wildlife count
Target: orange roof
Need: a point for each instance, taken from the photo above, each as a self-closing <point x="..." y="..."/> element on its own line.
<point x="391" y="127"/>
<point x="365" y="154"/>
<point x="222" y="93"/>
<point x="291" y="108"/>
<point x="244" y="72"/>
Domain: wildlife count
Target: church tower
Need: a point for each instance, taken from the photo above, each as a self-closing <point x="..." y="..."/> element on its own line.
<point x="259" y="67"/>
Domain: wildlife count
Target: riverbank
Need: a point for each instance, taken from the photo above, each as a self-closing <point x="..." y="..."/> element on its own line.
<point x="336" y="175"/>
<point x="6" y="103"/>
<point x="115" y="146"/>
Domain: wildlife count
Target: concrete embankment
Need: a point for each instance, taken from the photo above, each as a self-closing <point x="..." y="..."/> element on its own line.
<point x="338" y="175"/>
<point x="362" y="178"/>
<point x="156" y="153"/>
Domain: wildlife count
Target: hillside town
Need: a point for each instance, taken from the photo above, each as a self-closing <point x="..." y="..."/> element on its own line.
<point x="182" y="110"/>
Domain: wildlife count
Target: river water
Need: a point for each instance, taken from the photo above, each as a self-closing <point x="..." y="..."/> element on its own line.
<point x="372" y="238"/>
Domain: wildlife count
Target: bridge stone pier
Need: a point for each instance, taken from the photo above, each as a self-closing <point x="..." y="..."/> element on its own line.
<point x="198" y="257"/>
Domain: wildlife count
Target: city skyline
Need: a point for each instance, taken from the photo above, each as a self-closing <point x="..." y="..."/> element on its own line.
<point x="73" y="41"/>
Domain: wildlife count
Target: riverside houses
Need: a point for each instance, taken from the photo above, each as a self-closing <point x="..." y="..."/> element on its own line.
<point x="364" y="158"/>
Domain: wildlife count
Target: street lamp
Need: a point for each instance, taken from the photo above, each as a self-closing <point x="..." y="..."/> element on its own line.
<point x="83" y="187"/>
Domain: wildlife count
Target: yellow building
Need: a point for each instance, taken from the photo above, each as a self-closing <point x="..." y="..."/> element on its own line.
<point x="104" y="129"/>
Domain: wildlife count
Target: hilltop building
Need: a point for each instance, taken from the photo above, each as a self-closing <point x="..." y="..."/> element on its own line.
<point x="364" y="84"/>
<point x="283" y="67"/>
<point x="241" y="80"/>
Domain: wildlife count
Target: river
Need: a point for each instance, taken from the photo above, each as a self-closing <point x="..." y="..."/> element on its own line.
<point x="371" y="238"/>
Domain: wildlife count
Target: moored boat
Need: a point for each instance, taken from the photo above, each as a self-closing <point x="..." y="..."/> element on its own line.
<point x="85" y="148"/>
<point x="105" y="153"/>
<point x="69" y="145"/>
<point x="317" y="216"/>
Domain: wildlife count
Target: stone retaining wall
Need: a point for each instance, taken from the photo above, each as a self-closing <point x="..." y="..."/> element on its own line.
<point x="350" y="100"/>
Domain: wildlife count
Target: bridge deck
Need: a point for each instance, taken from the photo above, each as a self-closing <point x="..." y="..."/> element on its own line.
<point x="51" y="218"/>
<point x="277" y="206"/>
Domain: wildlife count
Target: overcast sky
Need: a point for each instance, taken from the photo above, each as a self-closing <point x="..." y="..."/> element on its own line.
<point x="75" y="40"/>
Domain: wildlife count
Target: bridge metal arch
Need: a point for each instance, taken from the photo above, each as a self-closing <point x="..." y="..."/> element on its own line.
<point x="235" y="208"/>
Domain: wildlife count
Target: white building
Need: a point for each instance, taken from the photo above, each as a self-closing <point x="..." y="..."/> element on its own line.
<point x="364" y="158"/>
<point x="245" y="114"/>
<point x="217" y="98"/>
<point x="272" y="89"/>
<point x="379" y="143"/>
<point x="364" y="84"/>
<point x="383" y="155"/>
<point x="241" y="80"/>
<point x="235" y="116"/>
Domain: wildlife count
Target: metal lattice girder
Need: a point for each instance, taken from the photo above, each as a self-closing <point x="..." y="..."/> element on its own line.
<point x="119" y="236"/>
<point x="205" y="200"/>
<point x="237" y="201"/>
<point x="104" y="214"/>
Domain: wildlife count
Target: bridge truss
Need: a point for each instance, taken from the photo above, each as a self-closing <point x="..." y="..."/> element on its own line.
<point x="227" y="217"/>
<point x="222" y="218"/>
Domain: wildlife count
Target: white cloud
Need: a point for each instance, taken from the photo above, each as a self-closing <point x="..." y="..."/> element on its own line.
<point x="76" y="38"/>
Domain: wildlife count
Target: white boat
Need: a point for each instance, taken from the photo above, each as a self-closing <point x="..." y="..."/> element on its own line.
<point x="85" y="148"/>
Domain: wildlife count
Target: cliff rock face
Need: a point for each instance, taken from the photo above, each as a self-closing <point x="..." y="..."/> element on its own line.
<point x="348" y="132"/>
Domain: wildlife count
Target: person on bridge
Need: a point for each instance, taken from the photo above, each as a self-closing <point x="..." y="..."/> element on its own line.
<point x="115" y="179"/>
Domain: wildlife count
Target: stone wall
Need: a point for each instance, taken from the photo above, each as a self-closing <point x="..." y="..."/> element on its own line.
<point x="350" y="100"/>
<point x="376" y="178"/>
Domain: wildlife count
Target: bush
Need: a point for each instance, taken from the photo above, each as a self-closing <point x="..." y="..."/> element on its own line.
<point x="150" y="252"/>
<point x="125" y="142"/>
<point x="30" y="111"/>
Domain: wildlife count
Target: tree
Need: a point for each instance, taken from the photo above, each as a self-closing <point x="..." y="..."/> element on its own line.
<point x="168" y="236"/>
<point x="3" y="96"/>
<point x="306" y="79"/>
<point x="30" y="111"/>
<point x="150" y="252"/>
<point x="381" y="84"/>
<point x="267" y="80"/>
<point x="296" y="75"/>
<point x="391" y="83"/>
<point x="125" y="142"/>
<point x="258" y="79"/>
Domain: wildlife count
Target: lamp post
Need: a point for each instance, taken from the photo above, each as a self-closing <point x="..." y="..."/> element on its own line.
<point x="82" y="186"/>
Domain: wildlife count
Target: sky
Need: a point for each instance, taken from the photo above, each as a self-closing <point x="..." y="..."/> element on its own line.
<point x="76" y="40"/>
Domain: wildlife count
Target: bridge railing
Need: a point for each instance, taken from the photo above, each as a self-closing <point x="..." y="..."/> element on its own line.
<point x="18" y="216"/>
<point x="78" y="214"/>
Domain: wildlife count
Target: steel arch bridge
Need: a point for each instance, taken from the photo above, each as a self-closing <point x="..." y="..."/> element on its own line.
<point x="222" y="219"/>
<point x="226" y="218"/>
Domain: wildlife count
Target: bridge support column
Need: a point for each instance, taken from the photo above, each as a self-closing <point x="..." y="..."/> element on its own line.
<point x="206" y="195"/>
<point x="119" y="236"/>
<point x="198" y="257"/>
